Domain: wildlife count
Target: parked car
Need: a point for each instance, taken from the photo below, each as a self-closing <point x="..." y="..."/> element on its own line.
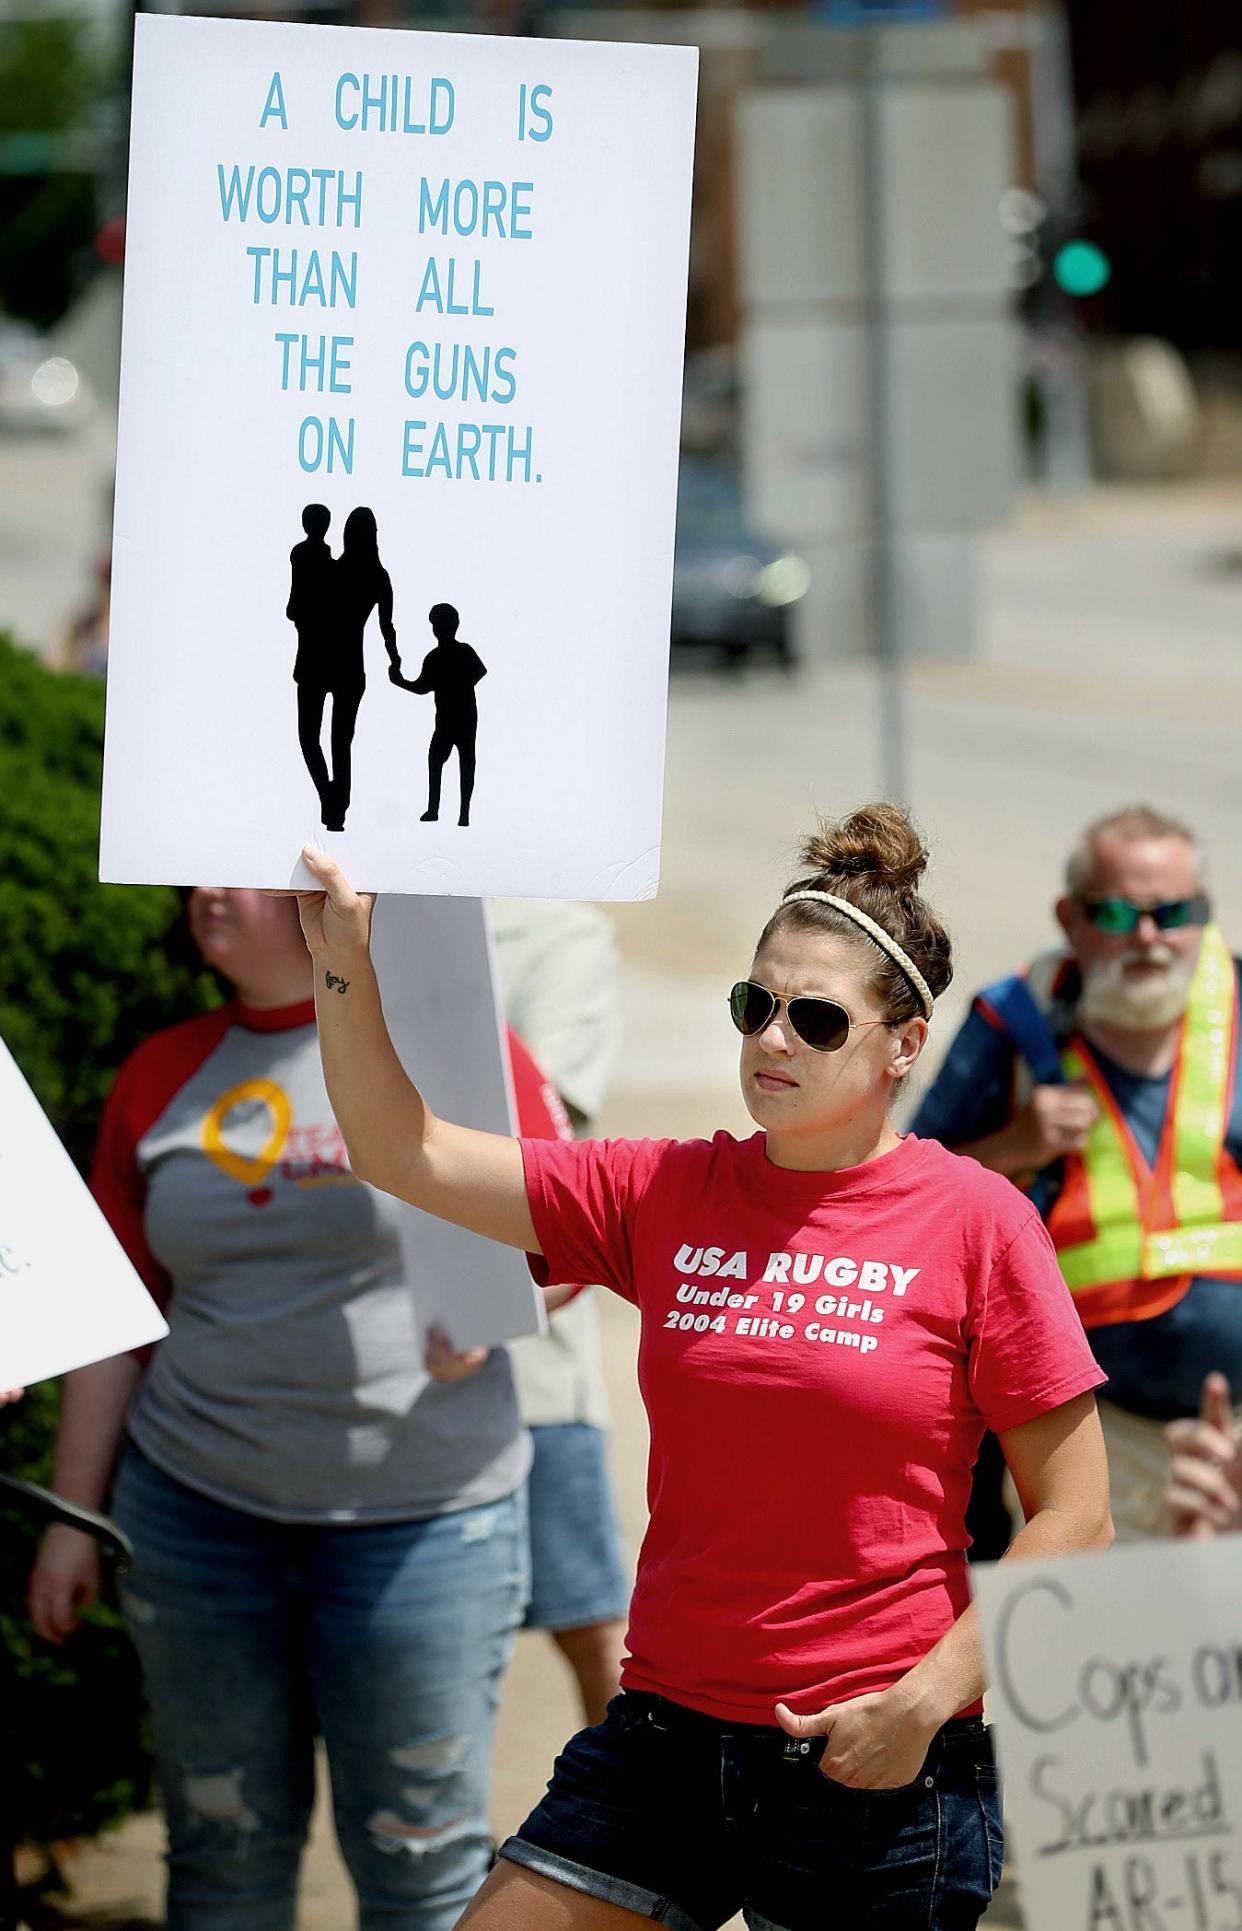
<point x="733" y="590"/>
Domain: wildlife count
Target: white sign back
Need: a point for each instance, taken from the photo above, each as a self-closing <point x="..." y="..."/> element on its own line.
<point x="1117" y="1700"/>
<point x="400" y="411"/>
<point x="68" y="1293"/>
<point x="434" y="965"/>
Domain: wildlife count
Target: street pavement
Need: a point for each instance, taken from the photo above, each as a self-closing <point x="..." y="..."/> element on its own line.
<point x="1110" y="672"/>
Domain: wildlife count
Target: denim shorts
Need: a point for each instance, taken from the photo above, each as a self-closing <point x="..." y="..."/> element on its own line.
<point x="578" y="1572"/>
<point x="685" y="1820"/>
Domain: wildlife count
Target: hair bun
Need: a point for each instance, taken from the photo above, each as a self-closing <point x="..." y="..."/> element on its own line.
<point x="877" y="841"/>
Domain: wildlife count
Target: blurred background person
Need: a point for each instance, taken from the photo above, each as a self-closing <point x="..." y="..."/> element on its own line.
<point x="85" y="647"/>
<point x="558" y="977"/>
<point x="1103" y="1081"/>
<point x="326" y="1542"/>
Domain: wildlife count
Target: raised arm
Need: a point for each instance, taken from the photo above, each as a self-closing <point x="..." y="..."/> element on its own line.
<point x="393" y="1138"/>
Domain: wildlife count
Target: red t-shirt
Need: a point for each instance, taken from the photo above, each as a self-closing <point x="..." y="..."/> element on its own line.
<point x="820" y="1355"/>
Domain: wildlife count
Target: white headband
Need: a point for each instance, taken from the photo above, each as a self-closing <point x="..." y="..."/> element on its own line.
<point x="885" y="940"/>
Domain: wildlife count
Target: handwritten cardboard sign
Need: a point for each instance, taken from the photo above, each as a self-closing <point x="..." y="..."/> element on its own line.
<point x="433" y="959"/>
<point x="396" y="480"/>
<point x="1117" y="1700"/>
<point x="68" y="1294"/>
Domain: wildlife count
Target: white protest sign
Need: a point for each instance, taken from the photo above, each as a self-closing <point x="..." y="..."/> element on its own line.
<point x="68" y="1294"/>
<point x="400" y="408"/>
<point x="434" y="964"/>
<point x="1117" y="1700"/>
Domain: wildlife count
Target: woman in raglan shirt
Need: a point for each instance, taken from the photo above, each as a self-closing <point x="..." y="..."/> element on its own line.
<point x="325" y="1540"/>
<point x="831" y="1316"/>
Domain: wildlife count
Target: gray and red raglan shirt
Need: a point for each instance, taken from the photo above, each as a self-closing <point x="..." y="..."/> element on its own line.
<point x="291" y="1383"/>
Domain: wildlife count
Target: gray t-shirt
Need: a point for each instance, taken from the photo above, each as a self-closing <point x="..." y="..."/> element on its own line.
<point x="291" y="1383"/>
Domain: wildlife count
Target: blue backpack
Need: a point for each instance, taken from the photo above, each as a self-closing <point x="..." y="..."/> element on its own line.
<point x="1014" y="1004"/>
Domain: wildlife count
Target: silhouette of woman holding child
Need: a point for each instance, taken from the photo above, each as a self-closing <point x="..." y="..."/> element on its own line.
<point x="330" y="602"/>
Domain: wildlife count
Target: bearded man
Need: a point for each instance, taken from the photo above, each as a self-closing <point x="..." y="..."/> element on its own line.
<point x="1104" y="1081"/>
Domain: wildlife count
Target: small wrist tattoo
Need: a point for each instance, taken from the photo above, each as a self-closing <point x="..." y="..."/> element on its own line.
<point x="330" y="980"/>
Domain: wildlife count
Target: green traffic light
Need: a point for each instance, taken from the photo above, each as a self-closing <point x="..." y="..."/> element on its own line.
<point x="1081" y="268"/>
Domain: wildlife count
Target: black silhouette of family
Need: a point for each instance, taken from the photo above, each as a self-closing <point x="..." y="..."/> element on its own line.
<point x="331" y="600"/>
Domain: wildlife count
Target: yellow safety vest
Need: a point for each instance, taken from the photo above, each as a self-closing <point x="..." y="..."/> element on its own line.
<point x="1129" y="1237"/>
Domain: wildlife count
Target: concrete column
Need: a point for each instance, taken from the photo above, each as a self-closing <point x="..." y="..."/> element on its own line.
<point x="813" y="308"/>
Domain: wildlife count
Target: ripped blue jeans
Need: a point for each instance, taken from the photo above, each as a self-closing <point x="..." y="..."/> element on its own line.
<point x="256" y="1637"/>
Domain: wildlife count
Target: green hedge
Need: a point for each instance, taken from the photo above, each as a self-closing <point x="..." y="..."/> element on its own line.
<point x="86" y="971"/>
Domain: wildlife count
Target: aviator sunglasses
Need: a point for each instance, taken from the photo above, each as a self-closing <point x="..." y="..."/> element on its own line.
<point x="821" y="1024"/>
<point x="1122" y="914"/>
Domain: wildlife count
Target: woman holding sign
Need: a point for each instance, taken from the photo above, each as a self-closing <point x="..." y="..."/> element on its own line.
<point x="832" y="1315"/>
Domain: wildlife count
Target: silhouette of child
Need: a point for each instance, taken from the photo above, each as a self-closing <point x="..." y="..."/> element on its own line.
<point x="450" y="672"/>
<point x="310" y="586"/>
